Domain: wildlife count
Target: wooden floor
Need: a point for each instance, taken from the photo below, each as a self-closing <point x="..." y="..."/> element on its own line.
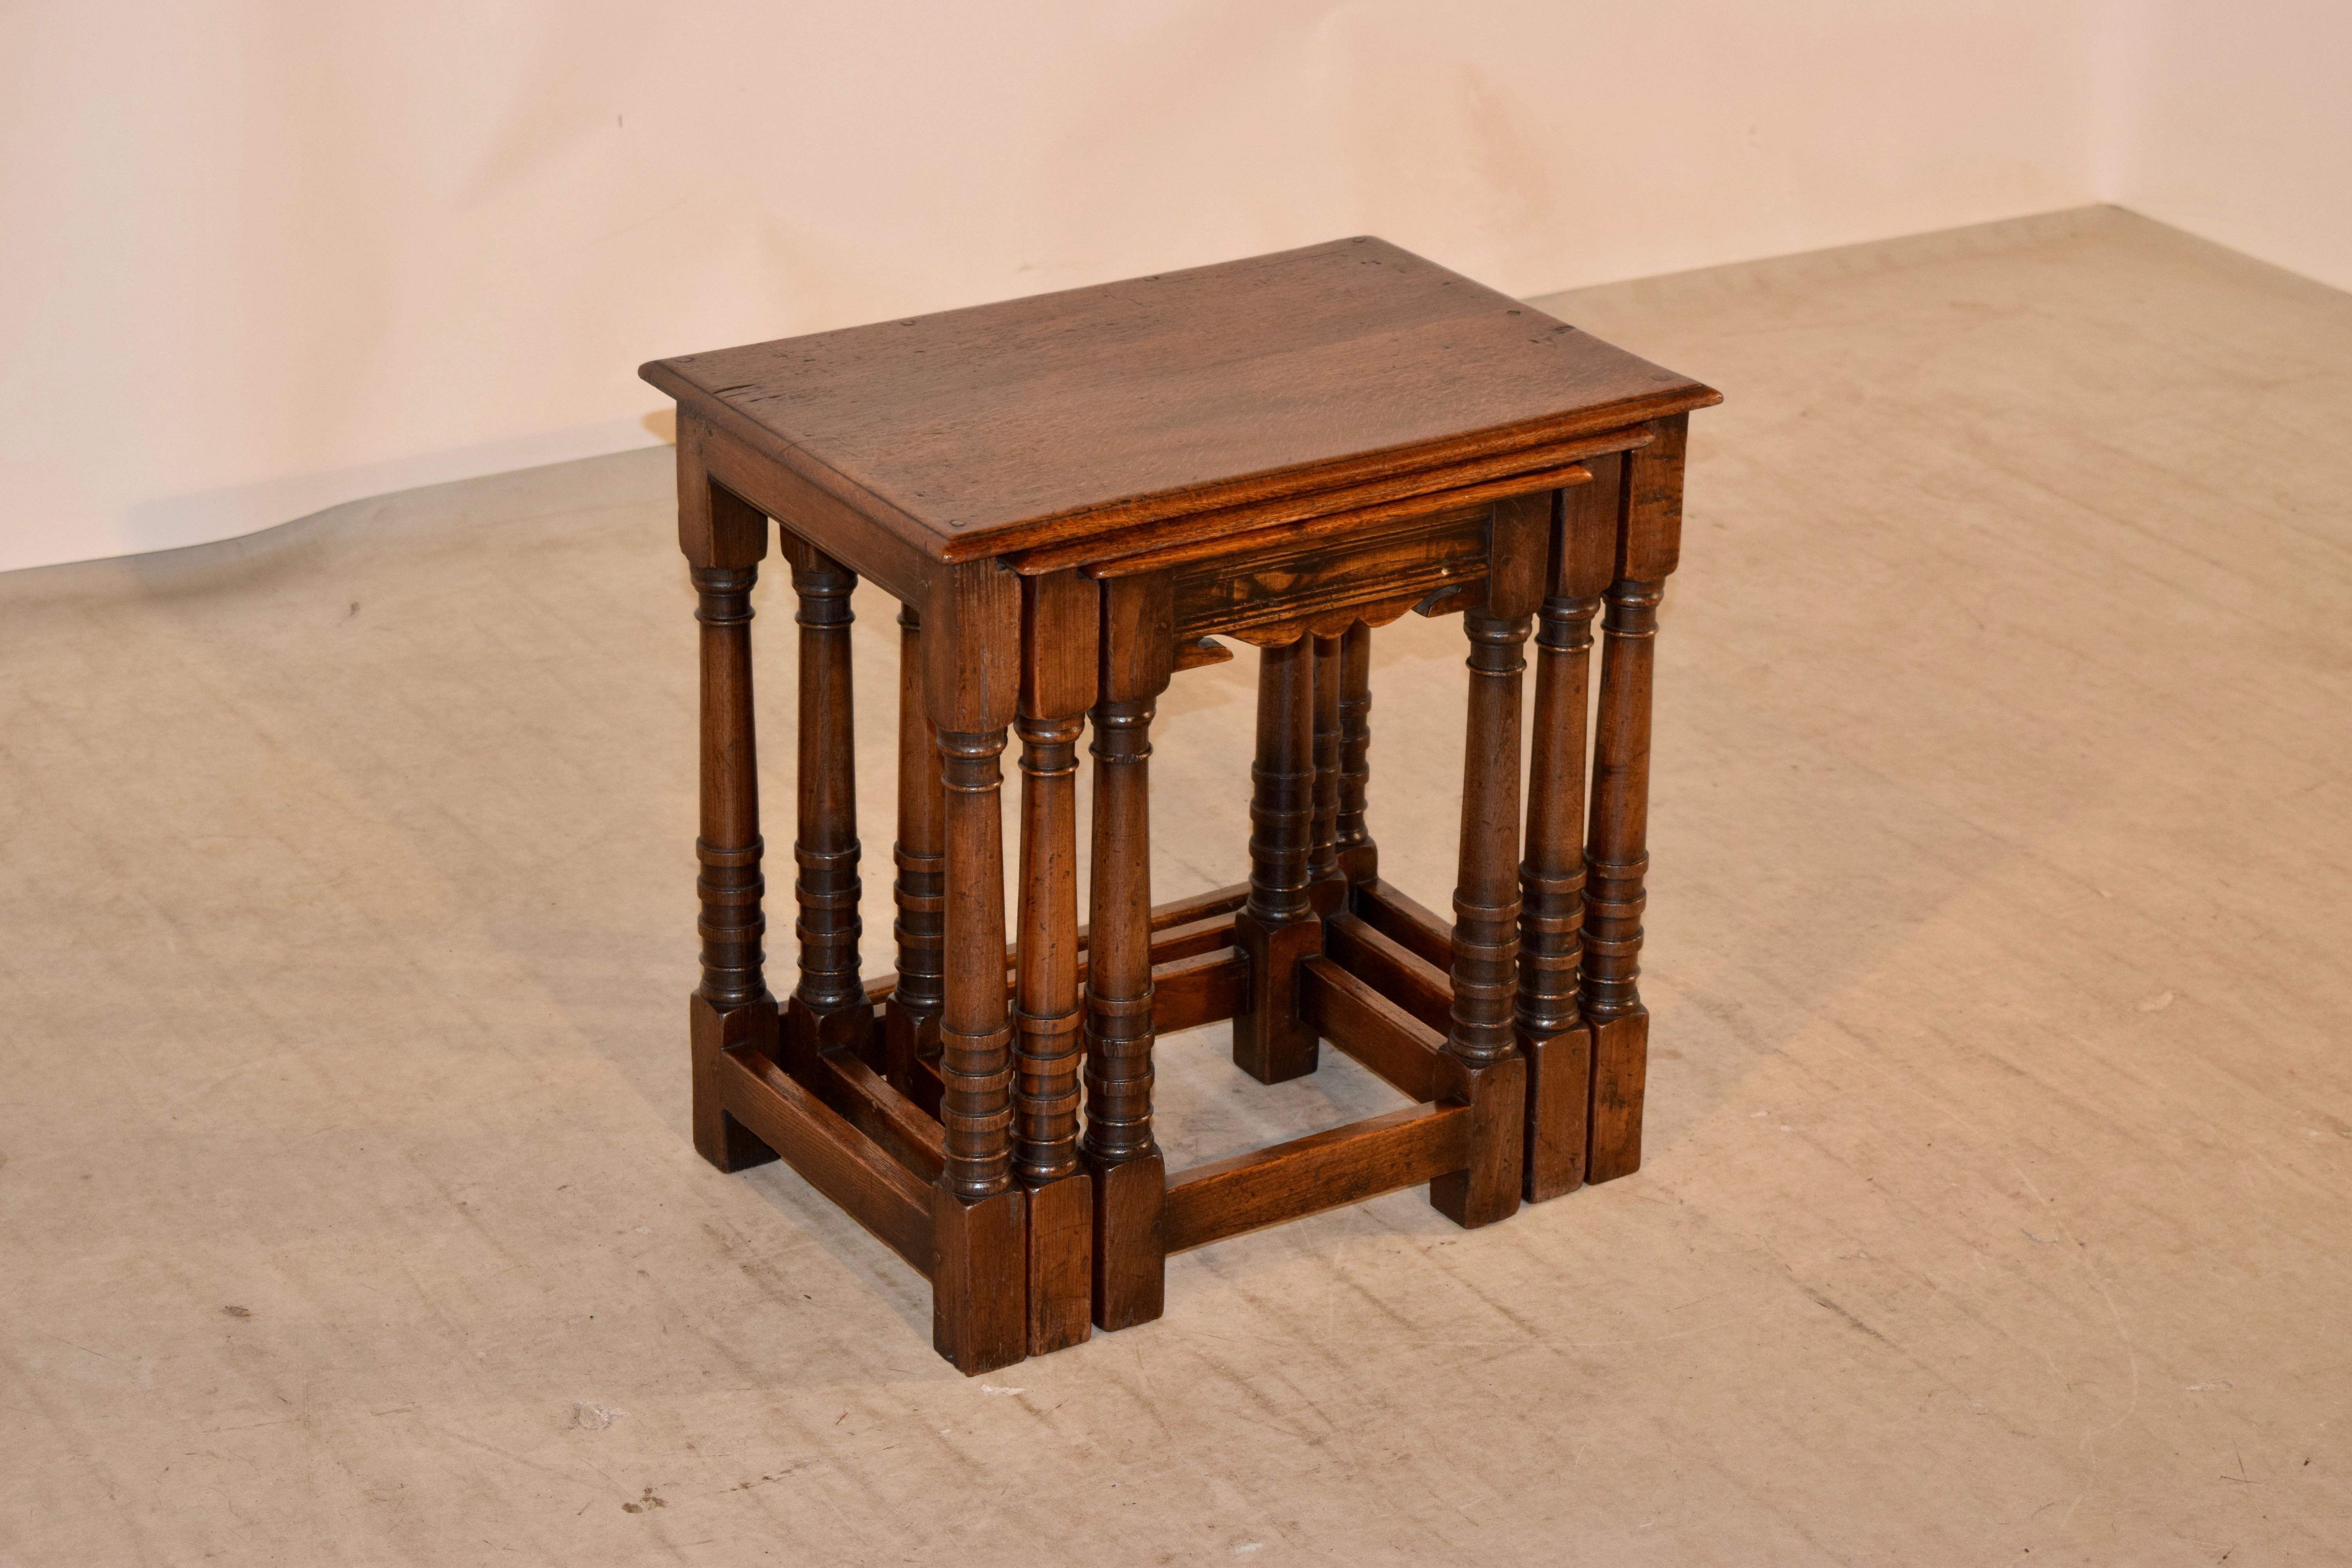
<point x="1999" y="1129"/>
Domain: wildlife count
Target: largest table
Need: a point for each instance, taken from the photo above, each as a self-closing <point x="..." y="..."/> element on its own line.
<point x="1073" y="496"/>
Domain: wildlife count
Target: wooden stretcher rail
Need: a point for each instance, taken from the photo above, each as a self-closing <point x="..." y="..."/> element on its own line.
<point x="1195" y="991"/>
<point x="1405" y="978"/>
<point x="1199" y="906"/>
<point x="834" y="1157"/>
<point x="1407" y="1054"/>
<point x="1185" y="995"/>
<point x="1180" y="929"/>
<point x="1386" y="907"/>
<point x="865" y="1099"/>
<point x="1194" y="983"/>
<point x="1179" y="920"/>
<point x="1319" y="1172"/>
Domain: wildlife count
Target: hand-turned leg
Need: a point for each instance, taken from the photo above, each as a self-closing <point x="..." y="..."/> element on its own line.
<point x="827" y="1011"/>
<point x="1279" y="928"/>
<point x="1552" y="1033"/>
<point x="1130" y="1179"/>
<point x="1617" y="861"/>
<point x="1061" y="615"/>
<point x="1487" y="892"/>
<point x="911" y="1026"/>
<point x="1649" y="546"/>
<point x="1487" y="903"/>
<point x="725" y="541"/>
<point x="1327" y="886"/>
<point x="1358" y="856"/>
<point x="980" y="1295"/>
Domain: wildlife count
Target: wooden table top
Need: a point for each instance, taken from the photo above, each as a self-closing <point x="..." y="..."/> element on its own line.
<point x="1065" y="419"/>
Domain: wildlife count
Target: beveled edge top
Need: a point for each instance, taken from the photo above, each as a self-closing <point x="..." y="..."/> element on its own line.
<point x="1236" y="493"/>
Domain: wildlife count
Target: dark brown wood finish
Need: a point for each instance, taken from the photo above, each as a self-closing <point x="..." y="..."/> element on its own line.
<point x="1137" y="655"/>
<point x="1485" y="898"/>
<point x="973" y="676"/>
<point x="1187" y="992"/>
<point x="1405" y="1052"/>
<point x="1327" y="885"/>
<point x="1487" y="895"/>
<point x="896" y="1124"/>
<point x="1396" y="914"/>
<point x="1319" y="512"/>
<point x="1272" y="594"/>
<point x="1649" y="546"/>
<point x="911" y="1018"/>
<point x="1552" y="1033"/>
<point x="977" y="432"/>
<point x="1196" y="976"/>
<point x="1273" y="1042"/>
<point x="1326" y="528"/>
<point x="1319" y="1172"/>
<point x="1397" y="972"/>
<point x="1358" y="855"/>
<point x="836" y="1158"/>
<point x="1074" y="497"/>
<point x="827" y="1011"/>
<point x="724" y="541"/>
<point x="1060" y="622"/>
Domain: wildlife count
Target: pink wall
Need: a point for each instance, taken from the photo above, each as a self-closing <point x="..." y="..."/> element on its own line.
<point x="2234" y="121"/>
<point x="260" y="258"/>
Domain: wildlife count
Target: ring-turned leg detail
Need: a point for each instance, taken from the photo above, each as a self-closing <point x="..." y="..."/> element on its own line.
<point x="1277" y="928"/>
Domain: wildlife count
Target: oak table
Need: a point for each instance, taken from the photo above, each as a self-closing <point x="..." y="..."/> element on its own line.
<point x="1072" y="496"/>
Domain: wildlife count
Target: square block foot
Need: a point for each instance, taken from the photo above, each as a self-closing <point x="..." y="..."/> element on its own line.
<point x="719" y="1137"/>
<point x="980" y="1297"/>
<point x="1130" y="1264"/>
<point x="1560" y="1088"/>
<point x="1621" y="1059"/>
<point x="1273" y="1041"/>
<point x="1061" y="1263"/>
<point x="1488" y="1190"/>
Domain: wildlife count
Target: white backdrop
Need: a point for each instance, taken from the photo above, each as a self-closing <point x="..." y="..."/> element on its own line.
<point x="259" y="259"/>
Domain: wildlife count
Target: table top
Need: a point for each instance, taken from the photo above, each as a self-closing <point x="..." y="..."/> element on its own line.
<point x="1092" y="411"/>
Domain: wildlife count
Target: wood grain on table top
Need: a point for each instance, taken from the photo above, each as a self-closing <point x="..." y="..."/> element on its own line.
<point x="979" y="431"/>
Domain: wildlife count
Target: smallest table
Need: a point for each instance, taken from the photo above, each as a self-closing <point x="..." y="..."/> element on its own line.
<point x="1072" y="496"/>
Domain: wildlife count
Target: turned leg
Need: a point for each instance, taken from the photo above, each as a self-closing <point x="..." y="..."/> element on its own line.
<point x="1552" y="1033"/>
<point x="1279" y="928"/>
<point x="1486" y="902"/>
<point x="1327" y="885"/>
<point x="912" y="1028"/>
<point x="980" y="1306"/>
<point x="1130" y="1179"/>
<point x="1358" y="856"/>
<point x="1613" y="896"/>
<point x="724" y="541"/>
<point x="1481" y="1038"/>
<point x="1059" y="625"/>
<point x="1649" y="543"/>
<point x="827" y="1011"/>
